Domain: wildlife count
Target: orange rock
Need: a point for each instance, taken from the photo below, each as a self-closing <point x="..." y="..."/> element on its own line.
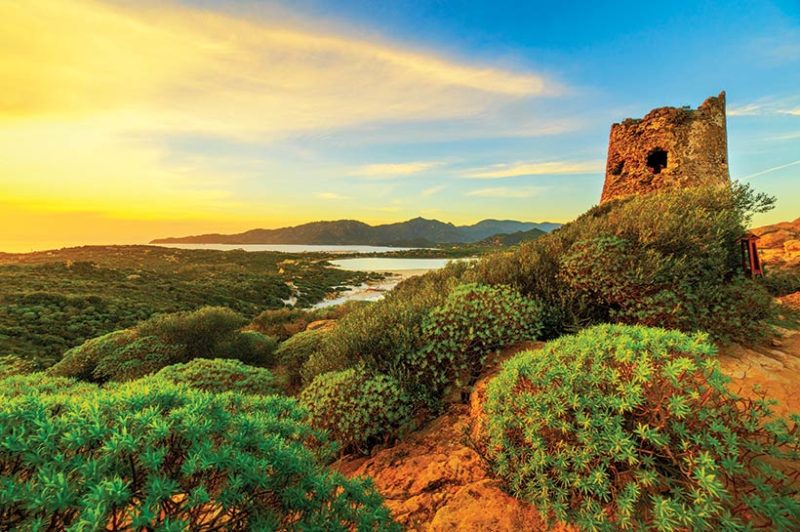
<point x="484" y="506"/>
<point x="774" y="369"/>
<point x="436" y="480"/>
<point x="792" y="300"/>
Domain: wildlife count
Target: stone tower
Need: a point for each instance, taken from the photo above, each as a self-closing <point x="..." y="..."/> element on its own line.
<point x="670" y="147"/>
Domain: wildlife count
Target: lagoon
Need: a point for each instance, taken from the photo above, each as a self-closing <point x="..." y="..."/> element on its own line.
<point x="389" y="264"/>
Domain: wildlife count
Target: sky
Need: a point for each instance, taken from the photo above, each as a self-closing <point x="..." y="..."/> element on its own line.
<point x="123" y="121"/>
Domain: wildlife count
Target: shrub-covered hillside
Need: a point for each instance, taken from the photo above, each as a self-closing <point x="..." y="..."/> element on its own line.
<point x="184" y="418"/>
<point x="52" y="301"/>
<point x="669" y="259"/>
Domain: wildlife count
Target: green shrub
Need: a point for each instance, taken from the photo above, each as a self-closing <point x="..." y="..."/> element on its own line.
<point x="250" y="347"/>
<point x="384" y="335"/>
<point x="80" y="362"/>
<point x="624" y="427"/>
<point x="152" y="455"/>
<point x="13" y="365"/>
<point x="282" y="323"/>
<point x="780" y="282"/>
<point x="221" y="375"/>
<point x="356" y="408"/>
<point x="139" y="357"/>
<point x="677" y="245"/>
<point x="163" y="341"/>
<point x="42" y="383"/>
<point x="199" y="333"/>
<point x="735" y="311"/>
<point x="295" y="352"/>
<point x="474" y="322"/>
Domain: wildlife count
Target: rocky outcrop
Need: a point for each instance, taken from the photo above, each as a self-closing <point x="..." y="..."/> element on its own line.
<point x="435" y="479"/>
<point x="779" y="244"/>
<point x="773" y="368"/>
<point x="670" y="147"/>
<point x="792" y="301"/>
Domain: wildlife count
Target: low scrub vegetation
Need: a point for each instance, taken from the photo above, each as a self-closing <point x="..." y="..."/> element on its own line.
<point x="623" y="427"/>
<point x="210" y="332"/>
<point x="151" y="455"/>
<point x="284" y="323"/>
<point x="670" y="258"/>
<point x="55" y="300"/>
<point x="469" y="326"/>
<point x="355" y="407"/>
<point x="222" y="375"/>
<point x="293" y="354"/>
<point x="11" y="365"/>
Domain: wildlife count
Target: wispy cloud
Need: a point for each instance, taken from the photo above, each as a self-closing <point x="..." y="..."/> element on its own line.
<point x="500" y="171"/>
<point x="785" y="105"/>
<point x="390" y="170"/>
<point x="431" y="191"/>
<point x="185" y="69"/>
<point x="131" y="74"/>
<point x="331" y="196"/>
<point x="749" y="109"/>
<point x="773" y="169"/>
<point x="507" y="192"/>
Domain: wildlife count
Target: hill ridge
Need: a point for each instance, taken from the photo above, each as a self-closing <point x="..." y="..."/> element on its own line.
<point x="416" y="231"/>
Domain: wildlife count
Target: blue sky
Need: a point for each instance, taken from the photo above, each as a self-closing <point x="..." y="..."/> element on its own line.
<point x="615" y="59"/>
<point x="200" y="116"/>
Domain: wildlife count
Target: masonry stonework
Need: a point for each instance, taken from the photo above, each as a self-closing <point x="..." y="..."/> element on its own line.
<point x="669" y="148"/>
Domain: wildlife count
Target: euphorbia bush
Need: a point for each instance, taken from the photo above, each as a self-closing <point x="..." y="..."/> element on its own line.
<point x="629" y="427"/>
<point x="41" y="383"/>
<point x="474" y="322"/>
<point x="355" y="407"/>
<point x="151" y="455"/>
<point x="81" y="361"/>
<point x="14" y="365"/>
<point x="383" y="335"/>
<point x="139" y="357"/>
<point x="221" y="375"/>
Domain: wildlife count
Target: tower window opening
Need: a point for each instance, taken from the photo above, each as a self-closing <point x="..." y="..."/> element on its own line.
<point x="657" y="160"/>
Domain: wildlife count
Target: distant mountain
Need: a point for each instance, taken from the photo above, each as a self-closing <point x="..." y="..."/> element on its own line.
<point x="416" y="232"/>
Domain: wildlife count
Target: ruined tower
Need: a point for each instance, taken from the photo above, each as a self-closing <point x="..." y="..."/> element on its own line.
<point x="670" y="147"/>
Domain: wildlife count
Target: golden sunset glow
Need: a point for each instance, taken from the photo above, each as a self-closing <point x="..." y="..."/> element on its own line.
<point x="197" y="116"/>
<point x="91" y="90"/>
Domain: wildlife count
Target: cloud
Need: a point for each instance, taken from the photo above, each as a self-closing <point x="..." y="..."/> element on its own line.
<point x="500" y="171"/>
<point x="390" y="170"/>
<point x="506" y="192"/>
<point x="773" y="169"/>
<point x="428" y="192"/>
<point x="749" y="109"/>
<point x="331" y="196"/>
<point x="182" y="69"/>
<point x="785" y="105"/>
<point x="92" y="91"/>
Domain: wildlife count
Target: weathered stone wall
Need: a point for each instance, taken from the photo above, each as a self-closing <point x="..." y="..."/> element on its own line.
<point x="669" y="147"/>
